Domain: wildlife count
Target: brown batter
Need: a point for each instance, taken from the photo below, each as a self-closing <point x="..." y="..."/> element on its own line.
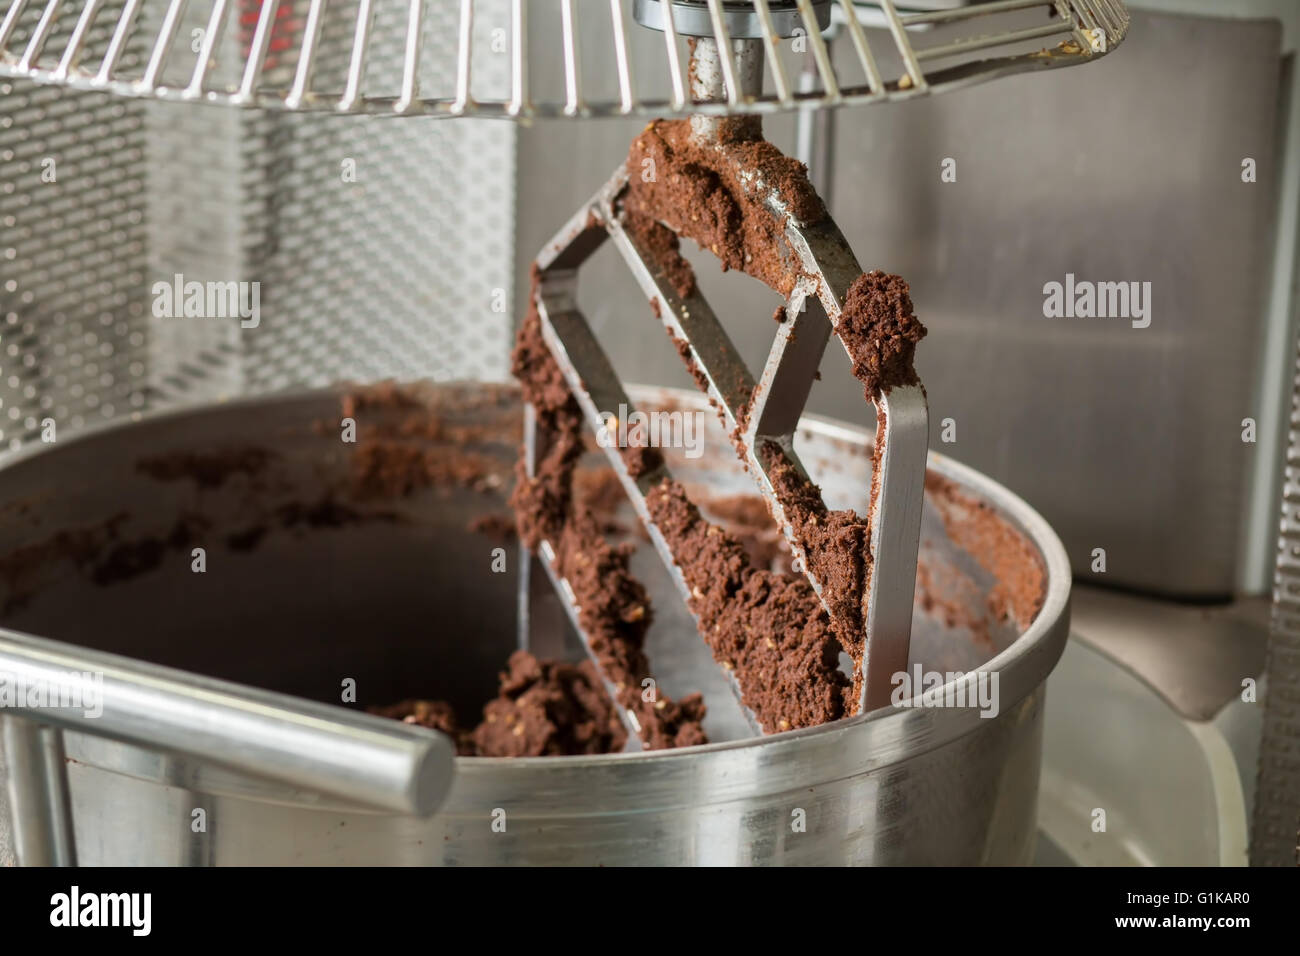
<point x="544" y="708"/>
<point x="769" y="628"/>
<point x="694" y="190"/>
<point x="880" y="332"/>
<point x="614" y="609"/>
<point x="746" y="518"/>
<point x="1019" y="578"/>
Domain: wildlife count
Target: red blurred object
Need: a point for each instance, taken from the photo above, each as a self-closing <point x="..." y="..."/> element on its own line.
<point x="282" y="31"/>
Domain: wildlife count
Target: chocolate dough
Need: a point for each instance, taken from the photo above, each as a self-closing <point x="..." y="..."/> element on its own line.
<point x="694" y="190"/>
<point x="769" y="628"/>
<point x="880" y="331"/>
<point x="1019" y="578"/>
<point x="614" y="608"/>
<point x="543" y="708"/>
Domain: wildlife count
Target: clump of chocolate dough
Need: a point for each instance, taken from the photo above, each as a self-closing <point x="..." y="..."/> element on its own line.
<point x="836" y="546"/>
<point x="543" y="708"/>
<point x="768" y="628"/>
<point x="434" y="714"/>
<point x="614" y="608"/>
<point x="548" y="708"/>
<point x="746" y="518"/>
<point x="880" y="331"/>
<point x="695" y="189"/>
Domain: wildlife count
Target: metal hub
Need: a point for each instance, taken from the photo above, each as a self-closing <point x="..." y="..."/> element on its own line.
<point x="743" y="21"/>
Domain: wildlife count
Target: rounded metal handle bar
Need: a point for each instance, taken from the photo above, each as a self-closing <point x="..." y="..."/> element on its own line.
<point x="381" y="763"/>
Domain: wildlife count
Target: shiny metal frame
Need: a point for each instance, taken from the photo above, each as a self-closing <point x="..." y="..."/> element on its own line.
<point x="1087" y="28"/>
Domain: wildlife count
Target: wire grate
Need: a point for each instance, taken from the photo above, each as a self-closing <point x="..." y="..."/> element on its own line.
<point x="276" y="61"/>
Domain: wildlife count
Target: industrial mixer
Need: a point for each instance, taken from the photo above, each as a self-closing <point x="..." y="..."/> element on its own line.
<point x="217" y="573"/>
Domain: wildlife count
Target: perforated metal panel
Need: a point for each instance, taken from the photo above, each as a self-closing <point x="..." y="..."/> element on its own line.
<point x="1275" y="840"/>
<point x="379" y="248"/>
<point x="72" y="257"/>
<point x="431" y="209"/>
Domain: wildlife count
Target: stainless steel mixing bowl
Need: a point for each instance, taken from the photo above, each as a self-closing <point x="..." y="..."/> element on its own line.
<point x="407" y="605"/>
